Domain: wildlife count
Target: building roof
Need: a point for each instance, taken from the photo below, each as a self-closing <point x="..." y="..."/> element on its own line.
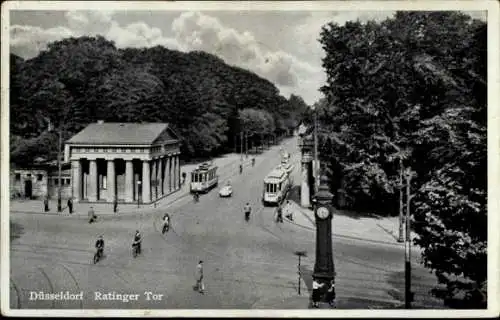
<point x="123" y="133"/>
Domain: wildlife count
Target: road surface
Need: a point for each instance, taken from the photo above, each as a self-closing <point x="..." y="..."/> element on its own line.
<point x="246" y="264"/>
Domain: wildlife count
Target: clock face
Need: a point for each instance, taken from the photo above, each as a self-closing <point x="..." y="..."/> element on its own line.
<point x="322" y="212"/>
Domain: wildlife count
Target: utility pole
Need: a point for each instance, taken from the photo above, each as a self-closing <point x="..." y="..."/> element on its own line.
<point x="408" y="293"/>
<point x="401" y="208"/>
<point x="59" y="165"/>
<point x="241" y="145"/>
<point x="315" y="166"/>
<point x="300" y="254"/>
<point x="246" y="144"/>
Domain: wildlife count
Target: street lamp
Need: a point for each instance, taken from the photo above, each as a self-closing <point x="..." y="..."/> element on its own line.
<point x="300" y="254"/>
<point x="408" y="293"/>
<point x="401" y="169"/>
<point x="138" y="186"/>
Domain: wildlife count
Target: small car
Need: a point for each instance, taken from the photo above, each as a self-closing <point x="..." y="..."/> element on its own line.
<point x="226" y="191"/>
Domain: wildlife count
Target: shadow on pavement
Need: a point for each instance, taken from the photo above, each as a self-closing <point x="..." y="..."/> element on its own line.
<point x="294" y="194"/>
<point x="306" y="273"/>
<point x="16" y="230"/>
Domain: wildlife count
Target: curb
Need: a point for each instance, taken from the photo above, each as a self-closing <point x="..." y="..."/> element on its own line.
<point x="338" y="235"/>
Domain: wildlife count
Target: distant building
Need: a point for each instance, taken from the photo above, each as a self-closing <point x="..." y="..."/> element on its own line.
<point x="129" y="162"/>
<point x="39" y="180"/>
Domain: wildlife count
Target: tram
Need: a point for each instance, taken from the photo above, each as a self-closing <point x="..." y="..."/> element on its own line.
<point x="286" y="163"/>
<point x="204" y="177"/>
<point x="276" y="186"/>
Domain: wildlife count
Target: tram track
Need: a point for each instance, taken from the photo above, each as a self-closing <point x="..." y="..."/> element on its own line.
<point x="51" y="285"/>
<point x="18" y="294"/>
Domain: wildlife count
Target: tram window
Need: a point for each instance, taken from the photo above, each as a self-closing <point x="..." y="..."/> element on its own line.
<point x="280" y="187"/>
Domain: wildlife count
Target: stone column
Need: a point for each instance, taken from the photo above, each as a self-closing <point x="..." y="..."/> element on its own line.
<point x="159" y="169"/>
<point x="168" y="189"/>
<point x="177" y="173"/>
<point x="129" y="181"/>
<point x="154" y="195"/>
<point x="146" y="182"/>
<point x="111" y="180"/>
<point x="172" y="171"/>
<point x="77" y="179"/>
<point x="305" y="188"/>
<point x="164" y="180"/>
<point x="92" y="195"/>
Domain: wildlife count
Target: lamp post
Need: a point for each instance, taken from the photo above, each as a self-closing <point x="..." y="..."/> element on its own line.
<point x="59" y="166"/>
<point x="315" y="164"/>
<point x="408" y="293"/>
<point x="300" y="254"/>
<point x="324" y="268"/>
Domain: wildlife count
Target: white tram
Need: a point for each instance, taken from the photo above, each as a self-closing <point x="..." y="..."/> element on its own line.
<point x="286" y="163"/>
<point x="276" y="185"/>
<point x="204" y="177"/>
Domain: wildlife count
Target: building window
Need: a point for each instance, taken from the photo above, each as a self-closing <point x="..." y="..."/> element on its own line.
<point x="56" y="181"/>
<point x="18" y="177"/>
<point x="39" y="177"/>
<point x="29" y="175"/>
<point x="67" y="182"/>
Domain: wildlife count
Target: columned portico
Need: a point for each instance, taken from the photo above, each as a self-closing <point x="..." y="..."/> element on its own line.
<point x="129" y="163"/>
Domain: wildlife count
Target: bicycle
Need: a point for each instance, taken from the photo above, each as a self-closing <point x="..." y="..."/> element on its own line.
<point x="136" y="249"/>
<point x="166" y="227"/>
<point x="98" y="255"/>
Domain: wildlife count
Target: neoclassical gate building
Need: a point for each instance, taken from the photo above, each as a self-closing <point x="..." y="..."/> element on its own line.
<point x="129" y="162"/>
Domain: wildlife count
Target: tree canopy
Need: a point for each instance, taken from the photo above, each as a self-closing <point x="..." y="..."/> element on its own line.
<point x="77" y="81"/>
<point x="413" y="89"/>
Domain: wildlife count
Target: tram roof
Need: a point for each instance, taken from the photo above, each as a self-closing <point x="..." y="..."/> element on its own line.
<point x="276" y="173"/>
<point x="205" y="167"/>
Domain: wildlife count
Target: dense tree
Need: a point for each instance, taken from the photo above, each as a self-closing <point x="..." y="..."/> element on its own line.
<point x="81" y="80"/>
<point x="413" y="89"/>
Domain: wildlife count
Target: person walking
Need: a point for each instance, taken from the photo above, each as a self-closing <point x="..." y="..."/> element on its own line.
<point x="199" y="278"/>
<point x="288" y="210"/>
<point x="115" y="205"/>
<point x="70" y="205"/>
<point x="316" y="293"/>
<point x="279" y="214"/>
<point x="92" y="215"/>
<point x="331" y="294"/>
<point x="46" y="205"/>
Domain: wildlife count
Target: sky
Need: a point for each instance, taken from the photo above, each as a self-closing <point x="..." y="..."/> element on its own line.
<point x="281" y="46"/>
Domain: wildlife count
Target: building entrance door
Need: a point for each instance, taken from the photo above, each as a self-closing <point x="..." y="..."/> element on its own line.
<point x="28" y="189"/>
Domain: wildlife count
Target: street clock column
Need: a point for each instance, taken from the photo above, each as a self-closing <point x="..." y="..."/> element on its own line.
<point x="323" y="212"/>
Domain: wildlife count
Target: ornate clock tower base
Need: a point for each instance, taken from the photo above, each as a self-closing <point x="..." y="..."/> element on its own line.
<point x="324" y="268"/>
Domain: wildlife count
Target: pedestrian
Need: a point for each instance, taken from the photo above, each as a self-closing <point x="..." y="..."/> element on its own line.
<point x="279" y="214"/>
<point x="199" y="277"/>
<point x="46" y="204"/>
<point x="288" y="210"/>
<point x="115" y="205"/>
<point x="331" y="294"/>
<point x="70" y="205"/>
<point x="92" y="215"/>
<point x="316" y="294"/>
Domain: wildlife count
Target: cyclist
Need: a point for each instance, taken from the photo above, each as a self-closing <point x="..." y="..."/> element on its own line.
<point x="196" y="196"/>
<point x="137" y="241"/>
<point x="166" y="222"/>
<point x="247" y="209"/>
<point x="99" y="244"/>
